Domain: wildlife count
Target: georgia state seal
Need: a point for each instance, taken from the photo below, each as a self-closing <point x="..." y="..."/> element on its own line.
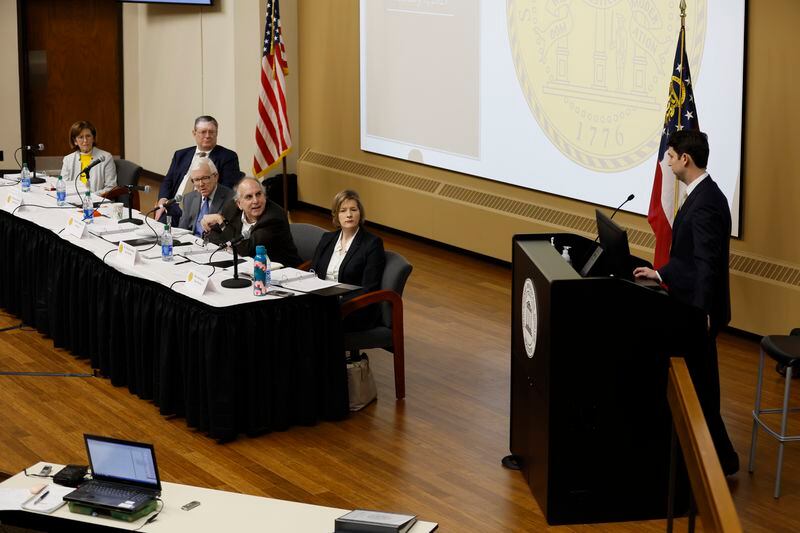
<point x="530" y="317"/>
<point x="595" y="72"/>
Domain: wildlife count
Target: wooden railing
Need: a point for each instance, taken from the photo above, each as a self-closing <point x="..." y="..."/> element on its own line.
<point x="712" y="498"/>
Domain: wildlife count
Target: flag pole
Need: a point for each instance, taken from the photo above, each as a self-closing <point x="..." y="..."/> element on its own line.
<point x="285" y="188"/>
<point x="676" y="193"/>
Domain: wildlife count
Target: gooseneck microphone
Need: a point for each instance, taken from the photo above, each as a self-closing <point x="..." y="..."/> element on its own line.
<point x="144" y="188"/>
<point x="178" y="199"/>
<point x="31" y="161"/>
<point x="91" y="165"/>
<point x="628" y="199"/>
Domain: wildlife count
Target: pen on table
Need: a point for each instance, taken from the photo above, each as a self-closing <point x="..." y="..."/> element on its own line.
<point x="42" y="497"/>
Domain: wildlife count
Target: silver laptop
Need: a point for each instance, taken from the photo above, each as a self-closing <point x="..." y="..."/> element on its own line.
<point x="124" y="475"/>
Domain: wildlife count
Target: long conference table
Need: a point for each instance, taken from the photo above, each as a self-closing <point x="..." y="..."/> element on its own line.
<point x="225" y="360"/>
<point x="218" y="511"/>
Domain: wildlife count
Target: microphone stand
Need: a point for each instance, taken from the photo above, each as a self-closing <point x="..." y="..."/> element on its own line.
<point x="235" y="282"/>
<point x="31" y="160"/>
<point x="130" y="219"/>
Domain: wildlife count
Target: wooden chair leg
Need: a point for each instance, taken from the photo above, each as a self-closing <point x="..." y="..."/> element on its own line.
<point x="399" y="354"/>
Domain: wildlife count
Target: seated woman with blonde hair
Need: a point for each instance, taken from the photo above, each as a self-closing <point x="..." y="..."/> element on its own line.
<point x="351" y="255"/>
<point x="103" y="177"/>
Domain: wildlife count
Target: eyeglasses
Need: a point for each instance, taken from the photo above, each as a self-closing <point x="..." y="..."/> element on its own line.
<point x="212" y="133"/>
<point x="202" y="179"/>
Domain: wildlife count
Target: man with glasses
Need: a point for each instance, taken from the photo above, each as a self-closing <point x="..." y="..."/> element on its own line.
<point x="207" y="198"/>
<point x="257" y="220"/>
<point x="177" y="181"/>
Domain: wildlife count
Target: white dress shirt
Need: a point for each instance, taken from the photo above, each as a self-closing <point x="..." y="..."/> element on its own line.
<point x="339" y="253"/>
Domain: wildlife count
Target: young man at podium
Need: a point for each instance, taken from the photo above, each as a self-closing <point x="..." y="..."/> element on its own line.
<point x="697" y="270"/>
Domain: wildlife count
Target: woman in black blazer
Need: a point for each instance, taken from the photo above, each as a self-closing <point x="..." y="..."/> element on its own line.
<point x="351" y="255"/>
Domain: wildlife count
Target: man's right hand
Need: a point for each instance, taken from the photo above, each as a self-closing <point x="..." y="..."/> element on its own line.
<point x="211" y="220"/>
<point x="159" y="209"/>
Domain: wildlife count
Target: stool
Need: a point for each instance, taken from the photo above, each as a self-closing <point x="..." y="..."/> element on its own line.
<point x="785" y="349"/>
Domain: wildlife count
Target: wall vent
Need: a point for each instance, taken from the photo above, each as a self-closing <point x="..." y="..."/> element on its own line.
<point x="756" y="267"/>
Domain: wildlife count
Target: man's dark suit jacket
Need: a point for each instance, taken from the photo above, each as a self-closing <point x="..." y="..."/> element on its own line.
<point x="226" y="161"/>
<point x="271" y="230"/>
<point x="192" y="201"/>
<point x="362" y="265"/>
<point x="697" y="270"/>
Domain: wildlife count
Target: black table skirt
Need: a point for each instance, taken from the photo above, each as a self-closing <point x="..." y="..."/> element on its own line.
<point x="250" y="368"/>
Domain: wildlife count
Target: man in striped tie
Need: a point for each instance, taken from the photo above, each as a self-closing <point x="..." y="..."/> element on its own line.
<point x="207" y="198"/>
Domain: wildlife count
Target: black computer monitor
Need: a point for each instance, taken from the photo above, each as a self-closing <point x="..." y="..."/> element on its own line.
<point x="616" y="253"/>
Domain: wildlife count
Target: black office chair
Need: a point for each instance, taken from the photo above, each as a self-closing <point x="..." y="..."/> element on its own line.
<point x="128" y="173"/>
<point x="389" y="333"/>
<point x="306" y="237"/>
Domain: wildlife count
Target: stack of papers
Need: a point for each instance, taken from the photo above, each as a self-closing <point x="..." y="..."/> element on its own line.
<point x="299" y="280"/>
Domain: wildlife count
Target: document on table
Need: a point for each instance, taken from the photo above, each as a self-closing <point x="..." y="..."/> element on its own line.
<point x="299" y="280"/>
<point x="48" y="500"/>
<point x="12" y="499"/>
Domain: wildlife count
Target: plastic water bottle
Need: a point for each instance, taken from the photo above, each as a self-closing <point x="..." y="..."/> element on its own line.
<point x="262" y="277"/>
<point x="61" y="192"/>
<point x="166" y="244"/>
<point x="25" y="180"/>
<point x="88" y="208"/>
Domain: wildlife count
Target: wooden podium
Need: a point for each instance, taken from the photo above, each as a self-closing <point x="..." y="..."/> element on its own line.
<point x="590" y="423"/>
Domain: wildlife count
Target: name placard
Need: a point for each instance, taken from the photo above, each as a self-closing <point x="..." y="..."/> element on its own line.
<point x="12" y="200"/>
<point x="127" y="254"/>
<point x="197" y="283"/>
<point x="76" y="227"/>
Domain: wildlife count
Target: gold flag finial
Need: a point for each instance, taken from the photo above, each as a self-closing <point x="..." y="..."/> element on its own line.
<point x="683" y="9"/>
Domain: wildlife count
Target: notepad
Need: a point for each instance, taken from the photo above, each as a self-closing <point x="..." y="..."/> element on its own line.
<point x="52" y="500"/>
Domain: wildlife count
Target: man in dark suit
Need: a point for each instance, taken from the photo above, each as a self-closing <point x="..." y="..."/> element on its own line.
<point x="260" y="221"/>
<point x="697" y="271"/>
<point x="207" y="198"/>
<point x="177" y="181"/>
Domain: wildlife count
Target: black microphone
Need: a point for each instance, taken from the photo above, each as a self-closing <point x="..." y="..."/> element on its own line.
<point x="178" y="198"/>
<point x="235" y="241"/>
<point x="145" y="188"/>
<point x="34" y="148"/>
<point x="628" y="199"/>
<point x="94" y="163"/>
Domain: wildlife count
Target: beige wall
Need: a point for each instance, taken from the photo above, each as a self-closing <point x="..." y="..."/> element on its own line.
<point x="329" y="99"/>
<point x="10" y="137"/>
<point x="181" y="62"/>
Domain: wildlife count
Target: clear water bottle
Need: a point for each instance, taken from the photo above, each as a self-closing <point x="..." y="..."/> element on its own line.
<point x="262" y="277"/>
<point x="25" y="179"/>
<point x="166" y="244"/>
<point x="88" y="208"/>
<point x="61" y="192"/>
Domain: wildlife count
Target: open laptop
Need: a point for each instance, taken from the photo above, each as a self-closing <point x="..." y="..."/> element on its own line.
<point x="124" y="475"/>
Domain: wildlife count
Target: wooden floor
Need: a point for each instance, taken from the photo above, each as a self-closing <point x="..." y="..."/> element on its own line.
<point x="436" y="454"/>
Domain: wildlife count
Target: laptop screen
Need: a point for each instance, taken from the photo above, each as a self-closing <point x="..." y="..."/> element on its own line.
<point x="121" y="461"/>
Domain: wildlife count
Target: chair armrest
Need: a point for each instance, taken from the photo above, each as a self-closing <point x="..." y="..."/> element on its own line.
<point x="115" y="193"/>
<point x="359" y="302"/>
<point x="305" y="265"/>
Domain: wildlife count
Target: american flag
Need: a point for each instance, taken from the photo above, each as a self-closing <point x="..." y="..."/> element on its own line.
<point x="273" y="139"/>
<point x="681" y="114"/>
